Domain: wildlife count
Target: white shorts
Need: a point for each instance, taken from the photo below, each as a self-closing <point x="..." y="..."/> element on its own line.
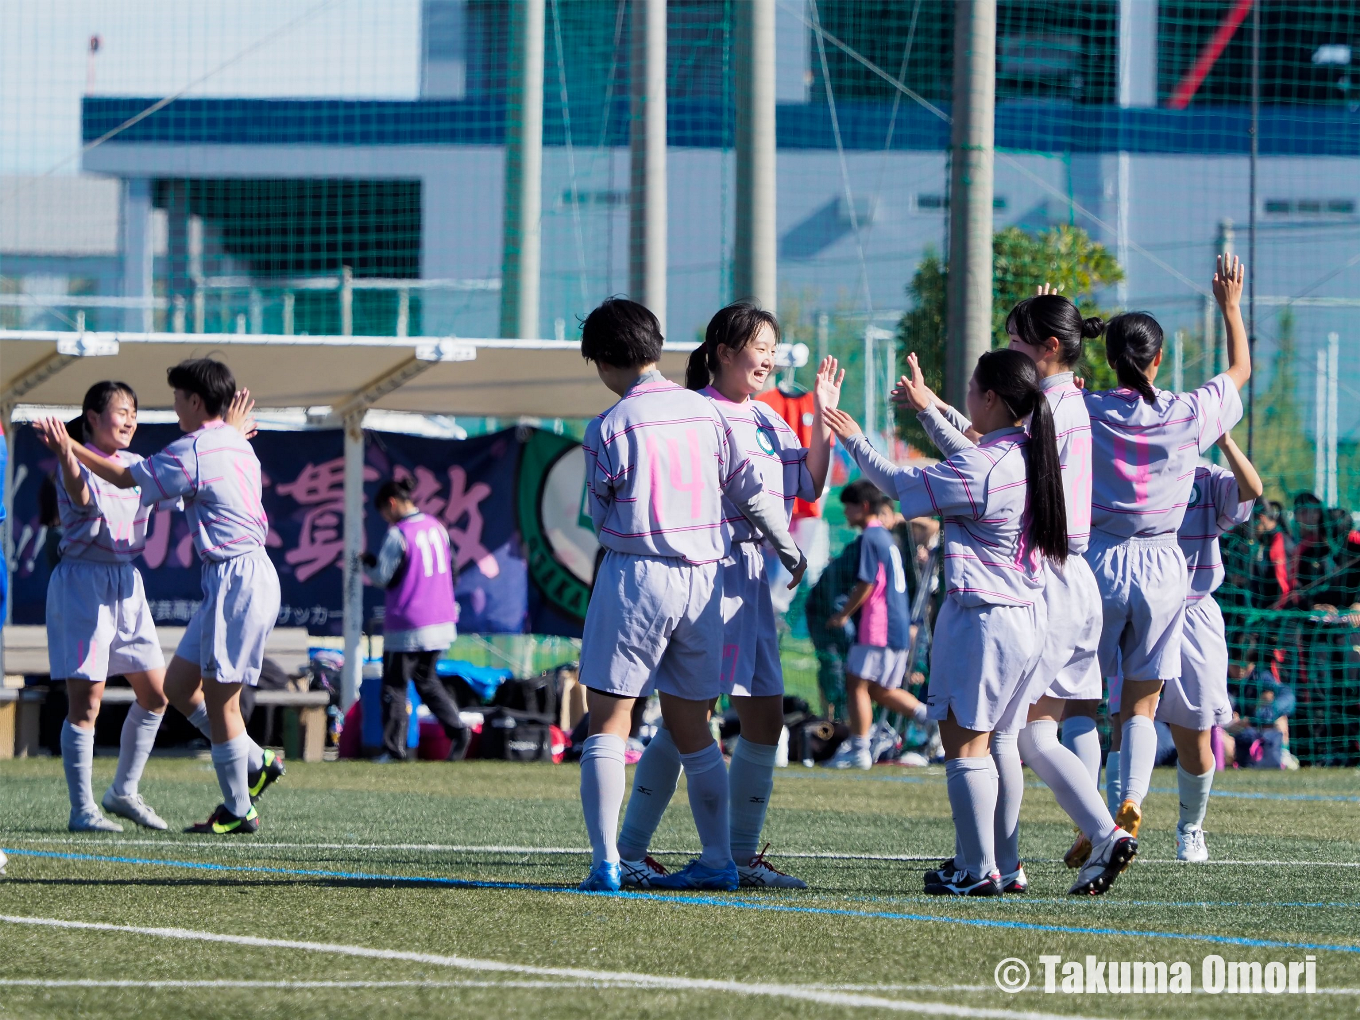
<point x="886" y="667"/>
<point x="226" y="637"/>
<point x="1198" y="698"/>
<point x="1071" y="648"/>
<point x="98" y="622"/>
<point x="984" y="665"/>
<point x="1142" y="593"/>
<point x="654" y="622"/>
<point x="750" y="655"/>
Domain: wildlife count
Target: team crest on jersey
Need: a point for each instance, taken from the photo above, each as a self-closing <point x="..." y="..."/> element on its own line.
<point x="1195" y="496"/>
<point x="764" y="441"/>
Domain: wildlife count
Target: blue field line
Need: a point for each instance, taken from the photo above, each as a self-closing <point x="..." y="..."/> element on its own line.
<point x="703" y="901"/>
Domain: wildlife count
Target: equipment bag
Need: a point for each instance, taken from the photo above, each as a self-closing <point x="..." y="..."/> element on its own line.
<point x="537" y="695"/>
<point x="508" y="735"/>
<point x="813" y="739"/>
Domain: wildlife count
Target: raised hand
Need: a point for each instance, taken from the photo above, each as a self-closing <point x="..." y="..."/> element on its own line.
<point x="840" y="423"/>
<point x="240" y="414"/>
<point x="913" y="391"/>
<point x="1045" y="288"/>
<point x="52" y="432"/>
<point x="1228" y="281"/>
<point x="827" y="390"/>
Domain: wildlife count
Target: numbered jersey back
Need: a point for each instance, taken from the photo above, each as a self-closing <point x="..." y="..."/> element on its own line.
<point x="423" y="595"/>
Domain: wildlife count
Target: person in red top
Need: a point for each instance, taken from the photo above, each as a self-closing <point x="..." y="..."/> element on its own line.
<point x="1270" y="580"/>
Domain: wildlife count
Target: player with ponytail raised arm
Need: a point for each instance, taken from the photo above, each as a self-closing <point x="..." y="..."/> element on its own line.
<point x="1145" y="445"/>
<point x="1004" y="514"/>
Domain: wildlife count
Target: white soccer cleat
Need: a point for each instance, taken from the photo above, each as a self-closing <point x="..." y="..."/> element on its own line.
<point x="761" y="874"/>
<point x="134" y="809"/>
<point x="1015" y="881"/>
<point x="846" y="757"/>
<point x="639" y="874"/>
<point x="3" y="860"/>
<point x="1190" y="845"/>
<point x="1107" y="860"/>
<point x="92" y="822"/>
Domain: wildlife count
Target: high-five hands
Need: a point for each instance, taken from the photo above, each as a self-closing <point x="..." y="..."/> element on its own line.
<point x="827" y="390"/>
<point x="840" y="423"/>
<point x="240" y="414"/>
<point x="912" y="391"/>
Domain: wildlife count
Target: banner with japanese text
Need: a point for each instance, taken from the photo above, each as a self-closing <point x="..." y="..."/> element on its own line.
<point x="512" y="502"/>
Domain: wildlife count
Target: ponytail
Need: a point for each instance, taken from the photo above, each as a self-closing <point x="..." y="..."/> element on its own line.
<point x="1012" y="376"/>
<point x="1132" y="342"/>
<point x="1037" y="318"/>
<point x="394" y="489"/>
<point x="734" y="326"/>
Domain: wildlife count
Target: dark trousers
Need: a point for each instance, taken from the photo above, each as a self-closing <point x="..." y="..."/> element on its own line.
<point x="398" y="668"/>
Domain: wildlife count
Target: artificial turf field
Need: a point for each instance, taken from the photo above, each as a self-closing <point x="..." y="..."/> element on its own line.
<point x="436" y="890"/>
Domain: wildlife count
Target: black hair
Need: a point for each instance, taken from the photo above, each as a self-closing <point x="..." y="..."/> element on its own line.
<point x="97" y="399"/>
<point x="864" y="491"/>
<point x="210" y="379"/>
<point x="394" y="488"/>
<point x="1013" y="377"/>
<point x="734" y="326"/>
<point x="622" y="333"/>
<point x="1037" y="318"/>
<point x="1132" y="342"/>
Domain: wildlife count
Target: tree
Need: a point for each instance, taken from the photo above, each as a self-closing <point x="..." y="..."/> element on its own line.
<point x="1064" y="256"/>
<point x="1281" y="450"/>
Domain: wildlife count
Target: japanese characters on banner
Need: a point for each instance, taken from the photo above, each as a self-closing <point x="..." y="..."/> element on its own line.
<point x="512" y="503"/>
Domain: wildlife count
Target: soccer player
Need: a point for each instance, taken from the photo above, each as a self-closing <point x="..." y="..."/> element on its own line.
<point x="1145" y="444"/>
<point x="1004" y="513"/>
<point x="1197" y="701"/>
<point x="729" y="368"/>
<point x="877" y="663"/>
<point x="657" y="466"/>
<point x="98" y="620"/>
<point x="213" y="469"/>
<point x="416" y="567"/>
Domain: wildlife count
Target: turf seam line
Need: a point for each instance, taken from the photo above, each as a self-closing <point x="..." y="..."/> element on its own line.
<point x="633" y="980"/>
<point x="710" y="901"/>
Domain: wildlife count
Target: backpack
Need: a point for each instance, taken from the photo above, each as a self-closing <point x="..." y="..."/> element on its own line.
<point x="510" y="735"/>
<point x="536" y="695"/>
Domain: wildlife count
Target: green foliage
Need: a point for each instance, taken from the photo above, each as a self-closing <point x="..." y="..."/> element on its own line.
<point x="1281" y="450"/>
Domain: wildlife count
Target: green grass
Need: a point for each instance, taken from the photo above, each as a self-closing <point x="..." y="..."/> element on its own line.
<point x="924" y="954"/>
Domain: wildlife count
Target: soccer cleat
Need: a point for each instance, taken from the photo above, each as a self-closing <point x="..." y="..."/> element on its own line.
<point x="960" y="883"/>
<point x="3" y="860"/>
<point x="1106" y="862"/>
<point x="223" y="823"/>
<point x="134" y="809"/>
<point x="1078" y="852"/>
<point x="92" y="822"/>
<point x="1190" y="845"/>
<point x="695" y="875"/>
<point x="267" y="776"/>
<point x="604" y="877"/>
<point x="1016" y="881"/>
<point x="1129" y="817"/>
<point x="943" y="873"/>
<point x="639" y="874"/>
<point x="761" y="874"/>
<point x="846" y="757"/>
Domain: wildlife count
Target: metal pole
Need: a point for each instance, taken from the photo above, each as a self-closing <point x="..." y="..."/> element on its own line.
<point x="523" y="173"/>
<point x="1226" y="239"/>
<point x="1333" y="370"/>
<point x="1178" y="363"/>
<point x="970" y="194"/>
<point x="1320" y="427"/>
<point x="289" y="301"/>
<point x="404" y="311"/>
<point x="870" y="386"/>
<point x="647" y="147"/>
<point x="353" y="625"/>
<point x="346" y="301"/>
<point x="195" y="246"/>
<point x="138" y="253"/>
<point x="1251" y="221"/>
<point x="754" y="276"/>
<point x="256" y="310"/>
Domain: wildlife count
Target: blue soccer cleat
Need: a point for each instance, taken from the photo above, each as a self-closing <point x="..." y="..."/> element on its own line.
<point x="699" y="876"/>
<point x="604" y="877"/>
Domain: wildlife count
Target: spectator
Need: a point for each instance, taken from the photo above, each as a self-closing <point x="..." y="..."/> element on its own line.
<point x="827" y="598"/>
<point x="1260" y="723"/>
<point x="1312" y="561"/>
<point x="1270" y="583"/>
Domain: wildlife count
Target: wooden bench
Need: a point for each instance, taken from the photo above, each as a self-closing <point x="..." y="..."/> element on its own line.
<point x="20" y="710"/>
<point x="304" y="721"/>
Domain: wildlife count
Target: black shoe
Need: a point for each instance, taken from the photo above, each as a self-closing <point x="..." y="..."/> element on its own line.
<point x="459" y="741"/>
<point x="223" y="823"/>
<point x="960" y="883"/>
<point x="943" y="873"/>
<point x="271" y="772"/>
<point x="1105" y="864"/>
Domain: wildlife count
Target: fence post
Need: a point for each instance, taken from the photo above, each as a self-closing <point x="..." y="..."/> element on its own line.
<point x="346" y="301"/>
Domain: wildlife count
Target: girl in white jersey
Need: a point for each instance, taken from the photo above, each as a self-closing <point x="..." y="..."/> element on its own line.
<point x="98" y="620"/>
<point x="1004" y="515"/>
<point x="732" y="365"/>
<point x="1145" y="445"/>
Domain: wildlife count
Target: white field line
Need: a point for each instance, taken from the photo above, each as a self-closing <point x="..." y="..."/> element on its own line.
<point x="95" y="844"/>
<point x="633" y="980"/>
<point x="284" y="985"/>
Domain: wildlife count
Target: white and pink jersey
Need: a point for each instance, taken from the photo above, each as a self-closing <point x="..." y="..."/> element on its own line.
<point x="1072" y="425"/>
<point x="658" y="464"/>
<point x="1144" y="455"/>
<point x="980" y="492"/>
<point x="217" y="474"/>
<point x="112" y="528"/>
<point x="1214" y="509"/>
<point x="779" y="458"/>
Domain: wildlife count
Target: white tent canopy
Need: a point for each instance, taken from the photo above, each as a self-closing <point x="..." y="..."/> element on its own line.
<point x="349" y="374"/>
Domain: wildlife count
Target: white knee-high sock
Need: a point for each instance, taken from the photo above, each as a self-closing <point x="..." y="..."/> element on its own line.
<point x="229" y="761"/>
<point x="654" y="782"/>
<point x="1065" y="774"/>
<point x="1194" y="791"/>
<point x="602" y="782"/>
<point x="1138" y="755"/>
<point x="1114" y="782"/>
<point x="1080" y="736"/>
<point x="198" y="719"/>
<point x="1010" y="789"/>
<point x="134" y="747"/>
<point x="706" y="779"/>
<point x="254" y="754"/>
<point x="750" y="781"/>
<point x="971" y="783"/>
<point x="77" y="760"/>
